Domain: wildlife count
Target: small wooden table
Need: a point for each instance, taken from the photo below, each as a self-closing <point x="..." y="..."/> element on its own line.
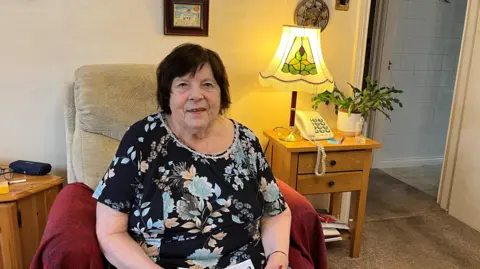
<point x="347" y="170"/>
<point x="23" y="216"/>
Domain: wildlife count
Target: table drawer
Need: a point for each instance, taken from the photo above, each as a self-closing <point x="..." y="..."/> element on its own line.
<point x="331" y="182"/>
<point x="340" y="161"/>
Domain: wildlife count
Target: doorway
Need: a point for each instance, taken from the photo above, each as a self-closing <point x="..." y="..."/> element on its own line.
<point x="415" y="47"/>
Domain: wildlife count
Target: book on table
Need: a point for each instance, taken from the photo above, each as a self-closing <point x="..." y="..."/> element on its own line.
<point x="330" y="222"/>
<point x="331" y="226"/>
<point x="328" y="232"/>
<point x="333" y="239"/>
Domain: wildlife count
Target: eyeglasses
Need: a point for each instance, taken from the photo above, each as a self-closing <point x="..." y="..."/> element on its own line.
<point x="7" y="173"/>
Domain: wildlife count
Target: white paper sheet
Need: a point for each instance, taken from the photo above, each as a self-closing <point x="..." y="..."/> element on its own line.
<point x="243" y="265"/>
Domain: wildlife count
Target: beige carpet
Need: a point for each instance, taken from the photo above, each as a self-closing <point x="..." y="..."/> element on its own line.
<point x="425" y="177"/>
<point x="405" y="228"/>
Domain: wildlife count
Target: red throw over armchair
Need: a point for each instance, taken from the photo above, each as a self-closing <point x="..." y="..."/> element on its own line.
<point x="69" y="240"/>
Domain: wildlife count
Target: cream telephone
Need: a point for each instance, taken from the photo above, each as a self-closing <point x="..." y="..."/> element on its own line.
<point x="312" y="126"/>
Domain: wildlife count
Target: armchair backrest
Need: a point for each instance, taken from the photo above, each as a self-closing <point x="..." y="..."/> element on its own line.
<point x="103" y="102"/>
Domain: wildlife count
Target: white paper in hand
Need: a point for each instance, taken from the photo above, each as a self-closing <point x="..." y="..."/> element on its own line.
<point x="243" y="265"/>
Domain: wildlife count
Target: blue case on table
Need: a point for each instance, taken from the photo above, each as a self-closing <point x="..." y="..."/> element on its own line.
<point x="30" y="167"/>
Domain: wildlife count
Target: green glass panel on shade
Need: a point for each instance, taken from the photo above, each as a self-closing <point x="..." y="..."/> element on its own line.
<point x="300" y="64"/>
<point x="309" y="67"/>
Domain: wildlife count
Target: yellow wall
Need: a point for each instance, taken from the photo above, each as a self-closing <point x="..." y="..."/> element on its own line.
<point x="43" y="42"/>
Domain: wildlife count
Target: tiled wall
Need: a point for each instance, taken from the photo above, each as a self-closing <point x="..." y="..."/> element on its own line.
<point x="425" y="59"/>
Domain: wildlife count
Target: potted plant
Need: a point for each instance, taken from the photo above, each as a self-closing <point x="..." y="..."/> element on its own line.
<point x="355" y="108"/>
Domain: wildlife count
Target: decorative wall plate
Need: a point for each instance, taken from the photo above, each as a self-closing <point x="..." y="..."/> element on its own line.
<point x="312" y="13"/>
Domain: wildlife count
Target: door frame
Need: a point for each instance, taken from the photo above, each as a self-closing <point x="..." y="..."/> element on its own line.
<point x="382" y="43"/>
<point x="383" y="46"/>
<point x="458" y="104"/>
<point x="361" y="35"/>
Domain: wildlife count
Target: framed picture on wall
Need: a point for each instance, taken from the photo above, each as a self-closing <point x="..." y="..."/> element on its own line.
<point x="186" y="17"/>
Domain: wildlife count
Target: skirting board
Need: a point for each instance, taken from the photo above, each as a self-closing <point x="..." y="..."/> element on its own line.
<point x="408" y="162"/>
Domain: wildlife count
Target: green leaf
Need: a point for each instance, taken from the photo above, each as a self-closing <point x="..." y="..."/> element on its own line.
<point x="285" y="68"/>
<point x="294" y="72"/>
<point x="236" y="219"/>
<point x="386" y="115"/>
<point x="310" y="66"/>
<point x="313" y="71"/>
<point x="218" y="191"/>
<point x="305" y="73"/>
<point x="304" y="56"/>
<point x="221" y="202"/>
<point x="298" y="56"/>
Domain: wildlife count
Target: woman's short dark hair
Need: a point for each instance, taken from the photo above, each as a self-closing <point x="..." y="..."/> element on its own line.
<point x="187" y="59"/>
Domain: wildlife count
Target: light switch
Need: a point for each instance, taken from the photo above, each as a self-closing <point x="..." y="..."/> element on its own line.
<point x="342" y="5"/>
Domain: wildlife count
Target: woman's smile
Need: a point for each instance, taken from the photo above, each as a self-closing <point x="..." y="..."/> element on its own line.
<point x="197" y="111"/>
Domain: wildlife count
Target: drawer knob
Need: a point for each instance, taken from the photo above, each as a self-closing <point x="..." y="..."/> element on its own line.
<point x="331" y="183"/>
<point x="333" y="162"/>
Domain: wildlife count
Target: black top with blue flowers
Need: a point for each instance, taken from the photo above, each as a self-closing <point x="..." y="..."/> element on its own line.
<point x="187" y="209"/>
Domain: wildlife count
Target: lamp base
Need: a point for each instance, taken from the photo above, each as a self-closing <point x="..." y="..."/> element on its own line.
<point x="291" y="136"/>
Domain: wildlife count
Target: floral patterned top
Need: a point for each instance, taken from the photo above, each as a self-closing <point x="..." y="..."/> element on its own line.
<point x="187" y="209"/>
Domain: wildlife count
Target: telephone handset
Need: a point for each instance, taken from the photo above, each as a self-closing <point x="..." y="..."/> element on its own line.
<point x="311" y="125"/>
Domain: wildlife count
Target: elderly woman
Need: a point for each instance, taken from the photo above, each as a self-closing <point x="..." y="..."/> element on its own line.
<point x="189" y="187"/>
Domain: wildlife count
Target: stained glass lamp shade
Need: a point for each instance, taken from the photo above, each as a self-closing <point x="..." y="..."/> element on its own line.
<point x="298" y="65"/>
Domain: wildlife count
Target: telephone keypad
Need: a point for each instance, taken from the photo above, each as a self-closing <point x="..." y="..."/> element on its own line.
<point x="319" y="126"/>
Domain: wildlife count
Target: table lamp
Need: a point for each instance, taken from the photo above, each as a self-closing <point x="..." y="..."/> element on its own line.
<point x="298" y="65"/>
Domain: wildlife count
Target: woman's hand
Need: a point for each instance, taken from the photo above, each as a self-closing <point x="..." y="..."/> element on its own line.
<point x="277" y="260"/>
<point x="116" y="244"/>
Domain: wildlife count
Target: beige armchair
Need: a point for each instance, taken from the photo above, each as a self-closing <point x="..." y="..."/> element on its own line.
<point x="104" y="101"/>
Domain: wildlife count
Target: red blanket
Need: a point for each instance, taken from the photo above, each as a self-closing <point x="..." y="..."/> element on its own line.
<point x="307" y="242"/>
<point x="69" y="240"/>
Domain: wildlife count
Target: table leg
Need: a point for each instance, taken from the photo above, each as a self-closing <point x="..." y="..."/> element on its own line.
<point x="335" y="204"/>
<point x="358" y="223"/>
<point x="360" y="202"/>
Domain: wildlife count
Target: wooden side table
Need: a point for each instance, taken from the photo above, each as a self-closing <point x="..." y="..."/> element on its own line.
<point x="23" y="217"/>
<point x="347" y="170"/>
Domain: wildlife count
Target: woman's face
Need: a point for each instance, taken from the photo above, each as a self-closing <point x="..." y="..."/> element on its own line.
<point x="195" y="101"/>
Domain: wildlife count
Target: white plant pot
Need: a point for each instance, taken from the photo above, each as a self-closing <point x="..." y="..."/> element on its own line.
<point x="347" y="124"/>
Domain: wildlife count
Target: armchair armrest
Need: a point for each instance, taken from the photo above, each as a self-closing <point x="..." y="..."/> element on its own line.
<point x="307" y="241"/>
<point x="69" y="239"/>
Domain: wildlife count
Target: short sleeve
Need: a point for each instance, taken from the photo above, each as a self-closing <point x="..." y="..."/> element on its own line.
<point x="117" y="188"/>
<point x="274" y="202"/>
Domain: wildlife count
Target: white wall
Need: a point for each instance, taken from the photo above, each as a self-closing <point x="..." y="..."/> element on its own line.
<point x="427" y="46"/>
<point x="43" y="42"/>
